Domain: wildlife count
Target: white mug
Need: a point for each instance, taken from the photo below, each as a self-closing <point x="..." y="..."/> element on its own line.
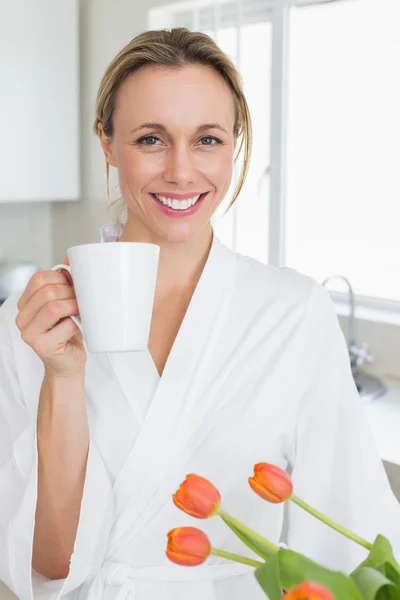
<point x="114" y="286"/>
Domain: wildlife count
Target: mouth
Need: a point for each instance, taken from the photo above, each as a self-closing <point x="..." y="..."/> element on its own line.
<point x="179" y="205"/>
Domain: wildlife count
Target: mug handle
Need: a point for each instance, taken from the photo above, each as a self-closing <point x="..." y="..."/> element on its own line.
<point x="75" y="319"/>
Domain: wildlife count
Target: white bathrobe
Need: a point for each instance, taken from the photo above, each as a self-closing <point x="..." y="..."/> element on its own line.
<point x="259" y="372"/>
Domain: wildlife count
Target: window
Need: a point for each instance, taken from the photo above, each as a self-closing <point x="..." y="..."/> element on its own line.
<point x="343" y="169"/>
<point x="245" y="226"/>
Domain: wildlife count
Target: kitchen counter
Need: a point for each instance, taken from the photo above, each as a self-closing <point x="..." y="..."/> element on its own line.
<point x="383" y="415"/>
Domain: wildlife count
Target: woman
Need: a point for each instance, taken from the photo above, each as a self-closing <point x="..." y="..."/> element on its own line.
<point x="246" y="363"/>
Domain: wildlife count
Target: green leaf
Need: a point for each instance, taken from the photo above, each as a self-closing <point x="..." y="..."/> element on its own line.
<point x="373" y="584"/>
<point x="268" y="578"/>
<point x="255" y="546"/>
<point x="295" y="568"/>
<point x="381" y="560"/>
<point x="250" y="538"/>
<point x="390" y="572"/>
<point x="380" y="553"/>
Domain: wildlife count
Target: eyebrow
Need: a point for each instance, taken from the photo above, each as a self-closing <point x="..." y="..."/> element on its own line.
<point x="162" y="127"/>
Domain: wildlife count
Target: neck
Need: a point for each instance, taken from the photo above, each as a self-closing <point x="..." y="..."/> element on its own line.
<point x="181" y="263"/>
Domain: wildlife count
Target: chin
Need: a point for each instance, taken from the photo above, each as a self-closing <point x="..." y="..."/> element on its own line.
<point x="182" y="233"/>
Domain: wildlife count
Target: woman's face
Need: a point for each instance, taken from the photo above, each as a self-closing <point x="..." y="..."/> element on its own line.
<point x="173" y="136"/>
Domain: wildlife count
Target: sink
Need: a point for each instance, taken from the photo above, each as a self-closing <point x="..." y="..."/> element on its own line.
<point x="384" y="421"/>
<point x="369" y="387"/>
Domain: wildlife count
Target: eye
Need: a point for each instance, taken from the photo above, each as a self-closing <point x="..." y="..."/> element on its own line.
<point x="211" y="137"/>
<point x="143" y="140"/>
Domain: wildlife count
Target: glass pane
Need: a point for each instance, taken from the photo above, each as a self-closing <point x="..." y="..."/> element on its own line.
<point x="245" y="227"/>
<point x="343" y="203"/>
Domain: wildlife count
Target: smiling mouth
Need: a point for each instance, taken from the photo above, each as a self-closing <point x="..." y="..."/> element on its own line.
<point x="178" y="204"/>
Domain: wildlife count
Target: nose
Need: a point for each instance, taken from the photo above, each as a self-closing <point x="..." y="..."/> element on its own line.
<point x="180" y="167"/>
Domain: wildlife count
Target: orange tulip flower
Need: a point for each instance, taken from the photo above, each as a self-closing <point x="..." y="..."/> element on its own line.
<point x="309" y="591"/>
<point x="188" y="546"/>
<point x="271" y="483"/>
<point x="197" y="497"/>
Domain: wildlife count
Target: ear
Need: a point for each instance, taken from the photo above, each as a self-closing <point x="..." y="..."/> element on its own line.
<point x="106" y="144"/>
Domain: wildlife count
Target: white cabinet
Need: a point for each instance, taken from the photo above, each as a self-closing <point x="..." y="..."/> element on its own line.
<point x="39" y="100"/>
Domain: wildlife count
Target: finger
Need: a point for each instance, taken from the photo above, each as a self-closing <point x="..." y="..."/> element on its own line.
<point x="48" y="316"/>
<point x="47" y="293"/>
<point x="37" y="281"/>
<point x="67" y="274"/>
<point x="57" y="336"/>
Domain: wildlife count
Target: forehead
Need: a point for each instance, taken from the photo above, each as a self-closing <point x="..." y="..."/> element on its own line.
<point x="190" y="96"/>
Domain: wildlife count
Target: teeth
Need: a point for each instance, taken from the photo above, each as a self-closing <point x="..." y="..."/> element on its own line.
<point x="177" y="204"/>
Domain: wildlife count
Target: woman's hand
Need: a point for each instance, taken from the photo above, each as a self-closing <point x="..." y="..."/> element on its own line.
<point x="43" y="319"/>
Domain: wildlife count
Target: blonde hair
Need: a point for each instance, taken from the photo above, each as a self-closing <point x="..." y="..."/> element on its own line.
<point x="175" y="48"/>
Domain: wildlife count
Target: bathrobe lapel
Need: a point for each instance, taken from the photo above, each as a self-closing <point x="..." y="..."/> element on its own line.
<point x="177" y="404"/>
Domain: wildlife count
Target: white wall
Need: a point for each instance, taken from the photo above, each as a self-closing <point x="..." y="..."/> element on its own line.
<point x="26" y="232"/>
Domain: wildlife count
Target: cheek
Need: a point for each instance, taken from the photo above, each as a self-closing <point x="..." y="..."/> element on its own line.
<point x="135" y="168"/>
<point x="218" y="169"/>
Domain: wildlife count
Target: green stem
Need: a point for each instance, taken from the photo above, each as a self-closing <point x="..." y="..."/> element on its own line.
<point x="249" y="533"/>
<point x="237" y="558"/>
<point x="331" y="523"/>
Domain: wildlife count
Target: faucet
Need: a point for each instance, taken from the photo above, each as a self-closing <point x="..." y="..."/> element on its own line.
<point x="358" y="355"/>
<point x="369" y="386"/>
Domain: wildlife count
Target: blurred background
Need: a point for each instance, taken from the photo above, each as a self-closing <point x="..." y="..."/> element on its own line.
<point x="323" y="191"/>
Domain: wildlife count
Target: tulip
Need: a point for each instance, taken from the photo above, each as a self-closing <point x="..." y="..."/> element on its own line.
<point x="188" y="546"/>
<point x="274" y="485"/>
<point x="271" y="483"/>
<point x="309" y="591"/>
<point x="197" y="497"/>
